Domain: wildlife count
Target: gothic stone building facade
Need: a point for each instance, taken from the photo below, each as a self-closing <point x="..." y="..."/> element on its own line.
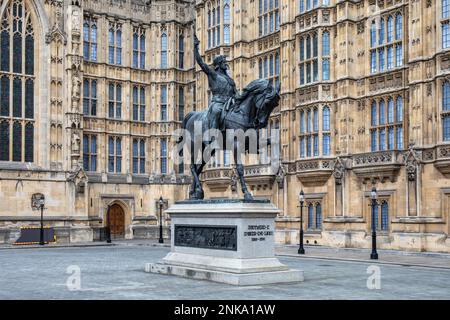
<point x="92" y="90"/>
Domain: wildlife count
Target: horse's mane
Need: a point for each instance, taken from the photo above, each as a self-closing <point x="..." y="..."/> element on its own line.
<point x="253" y="87"/>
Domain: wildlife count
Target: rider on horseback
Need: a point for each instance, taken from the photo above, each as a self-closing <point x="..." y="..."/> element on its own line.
<point x="221" y="85"/>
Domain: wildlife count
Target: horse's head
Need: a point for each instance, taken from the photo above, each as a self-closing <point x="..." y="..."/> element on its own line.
<point x="259" y="98"/>
<point x="265" y="103"/>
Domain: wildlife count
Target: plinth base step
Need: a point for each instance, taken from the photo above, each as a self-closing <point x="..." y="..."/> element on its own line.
<point x="238" y="279"/>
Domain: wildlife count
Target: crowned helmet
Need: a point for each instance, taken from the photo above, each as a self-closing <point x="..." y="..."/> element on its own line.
<point x="218" y="60"/>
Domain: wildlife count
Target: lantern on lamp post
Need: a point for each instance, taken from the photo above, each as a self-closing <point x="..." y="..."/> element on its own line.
<point x="38" y="203"/>
<point x="301" y="199"/>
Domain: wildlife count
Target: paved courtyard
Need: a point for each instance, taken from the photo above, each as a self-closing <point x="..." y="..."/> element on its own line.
<point x="117" y="272"/>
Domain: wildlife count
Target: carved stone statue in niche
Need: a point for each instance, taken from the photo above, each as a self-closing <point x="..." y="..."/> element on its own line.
<point x="76" y="87"/>
<point x="411" y="170"/>
<point x="234" y="181"/>
<point x="280" y="177"/>
<point x="338" y="171"/>
<point x="76" y="20"/>
<point x="412" y="163"/>
<point x="76" y="142"/>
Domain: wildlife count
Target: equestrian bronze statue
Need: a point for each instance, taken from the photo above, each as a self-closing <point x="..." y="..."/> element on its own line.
<point x="229" y="109"/>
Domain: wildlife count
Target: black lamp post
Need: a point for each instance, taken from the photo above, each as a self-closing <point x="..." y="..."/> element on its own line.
<point x="161" y="204"/>
<point x="41" y="235"/>
<point x="301" y="198"/>
<point x="108" y="226"/>
<point x="374" y="206"/>
<point x="38" y="203"/>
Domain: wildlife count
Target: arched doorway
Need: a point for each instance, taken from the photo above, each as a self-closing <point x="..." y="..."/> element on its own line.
<point x="116" y="219"/>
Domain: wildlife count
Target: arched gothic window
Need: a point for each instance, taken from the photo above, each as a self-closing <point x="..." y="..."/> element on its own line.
<point x="17" y="81"/>
<point x="226" y="22"/>
<point x="446" y="110"/>
<point x="390" y="110"/>
<point x="163" y="51"/>
<point x="310" y="216"/>
<point x="384" y="216"/>
<point x="318" y="216"/>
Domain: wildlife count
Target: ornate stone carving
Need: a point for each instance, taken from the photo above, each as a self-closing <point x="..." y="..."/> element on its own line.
<point x="206" y="237"/>
<point x="280" y="177"/>
<point x="234" y="181"/>
<point x="78" y="177"/>
<point x="412" y="161"/>
<point x="339" y="171"/>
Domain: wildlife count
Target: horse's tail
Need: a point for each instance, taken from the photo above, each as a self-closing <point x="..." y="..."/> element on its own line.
<point x="184" y="124"/>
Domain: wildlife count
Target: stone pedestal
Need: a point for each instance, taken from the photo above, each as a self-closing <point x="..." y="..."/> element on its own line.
<point x="229" y="241"/>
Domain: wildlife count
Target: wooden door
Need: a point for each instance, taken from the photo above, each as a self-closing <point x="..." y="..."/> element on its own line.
<point x="117" y="221"/>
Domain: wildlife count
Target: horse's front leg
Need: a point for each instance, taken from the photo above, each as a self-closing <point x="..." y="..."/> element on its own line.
<point x="240" y="171"/>
<point x="199" y="190"/>
<point x="196" y="188"/>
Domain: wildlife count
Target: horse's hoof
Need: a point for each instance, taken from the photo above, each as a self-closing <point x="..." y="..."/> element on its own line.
<point x="197" y="195"/>
<point x="248" y="196"/>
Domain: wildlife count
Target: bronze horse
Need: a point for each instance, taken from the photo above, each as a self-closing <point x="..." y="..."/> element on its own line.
<point x="251" y="110"/>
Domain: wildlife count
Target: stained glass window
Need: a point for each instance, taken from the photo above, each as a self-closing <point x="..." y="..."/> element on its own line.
<point x="390" y="110"/>
<point x="390" y="29"/>
<point x="163" y="51"/>
<point x="316" y="145"/>
<point x="318" y="216"/>
<point x="29" y="138"/>
<point x="17" y="81"/>
<point x="326" y="144"/>
<point x="115" y="100"/>
<point x="374" y="114"/>
<point x="138" y="103"/>
<point x="446" y="96"/>
<point x="17" y="142"/>
<point x="445" y="9"/>
<point x="373" y="140"/>
<point x="90" y="39"/>
<point x="399" y="138"/>
<point x="399" y="110"/>
<point x="316" y="120"/>
<point x="381" y="32"/>
<point x="4" y="96"/>
<point x="326" y="118"/>
<point x="326" y="43"/>
<point x="373" y="34"/>
<point x="269" y="16"/>
<point x="115" y="43"/>
<point x="398" y="27"/>
<point x="90" y="152"/>
<point x="4" y="140"/>
<point x="446" y="35"/>
<point x="138" y="156"/>
<point x="302" y="147"/>
<point x="226" y="21"/>
<point x="89" y="97"/>
<point x="384" y="216"/>
<point x="164" y="103"/>
<point x="180" y="104"/>
<point x="446" y="128"/>
<point x="181" y="51"/>
<point x="163" y="155"/>
<point x="310" y="216"/>
<point x="382" y="113"/>
<point x="115" y="155"/>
